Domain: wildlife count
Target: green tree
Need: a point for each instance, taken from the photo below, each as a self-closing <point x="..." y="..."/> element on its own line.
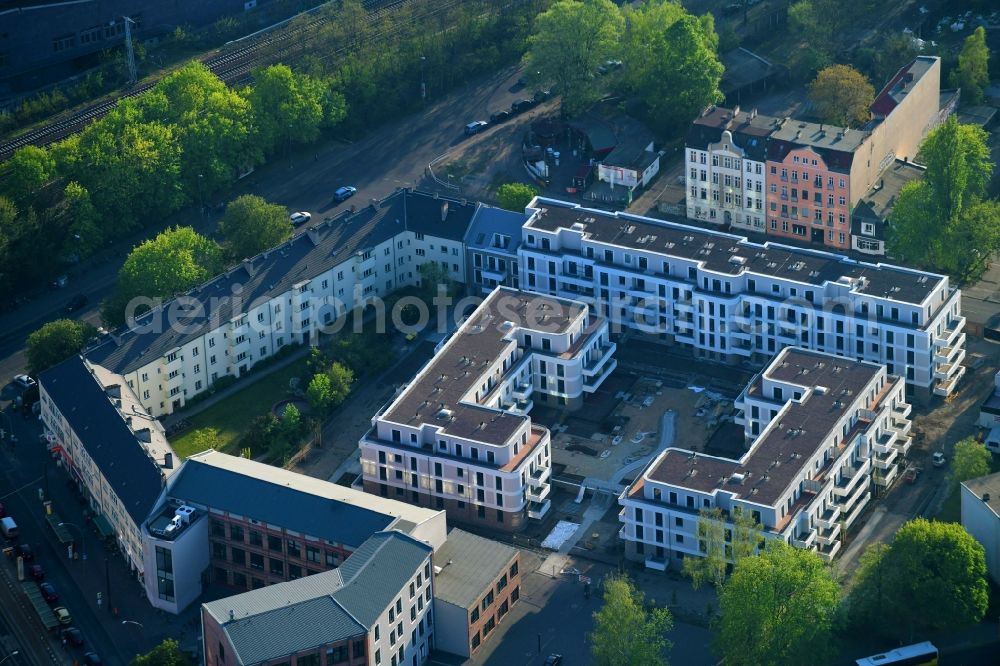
<point x="969" y="461"/>
<point x="842" y="95"/>
<point x="85" y="229"/>
<point x="167" y="653"/>
<point x="287" y="107"/>
<point x="252" y="225"/>
<point x="972" y="73"/>
<point x="55" y="342"/>
<point x="932" y="577"/>
<point x="515" y="196"/>
<point x="777" y="607"/>
<point x="571" y="40"/>
<point x="433" y="276"/>
<point x="319" y="393"/>
<point x="881" y="62"/>
<point x="672" y="62"/>
<point x="625" y="632"/>
<point x="722" y="543"/>
<point x="173" y="262"/>
<point x="341" y="379"/>
<point x="29" y="170"/>
<point x="934" y="221"/>
<point x="204" y="439"/>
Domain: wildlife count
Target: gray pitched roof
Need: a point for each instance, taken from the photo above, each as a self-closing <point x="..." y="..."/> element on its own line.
<point x="274" y="272"/>
<point x="279" y="620"/>
<point x="270" y="502"/>
<point x="491" y="221"/>
<point x="132" y="474"/>
<point x="468" y="566"/>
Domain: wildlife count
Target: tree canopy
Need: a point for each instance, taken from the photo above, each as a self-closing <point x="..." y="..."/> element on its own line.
<point x="167" y="653"/>
<point x="29" y="169"/>
<point x="972" y="74"/>
<point x="969" y="461"/>
<point x="571" y="40"/>
<point x="931" y="577"/>
<point x="722" y="544"/>
<point x="671" y="62"/>
<point x="625" y="632"/>
<point x="289" y="107"/>
<point x="55" y="342"/>
<point x="842" y="95"/>
<point x="252" y="225"/>
<point x="515" y="196"/>
<point x="776" y="607"/>
<point x="942" y="222"/>
<point x="329" y="388"/>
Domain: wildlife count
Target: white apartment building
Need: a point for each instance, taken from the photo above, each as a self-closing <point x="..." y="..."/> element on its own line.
<point x="728" y="298"/>
<point x="285" y="296"/>
<point x="111" y="447"/>
<point x="821" y="430"/>
<point x="459" y="437"/>
<point x="725" y="168"/>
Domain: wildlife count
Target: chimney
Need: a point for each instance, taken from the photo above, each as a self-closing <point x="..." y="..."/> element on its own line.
<point x="444" y="211"/>
<point x="250" y="268"/>
<point x="232" y="615"/>
<point x="986" y="497"/>
<point x="736" y="111"/>
<point x="168" y="461"/>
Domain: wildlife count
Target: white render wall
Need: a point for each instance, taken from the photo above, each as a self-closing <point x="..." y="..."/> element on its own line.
<point x="395" y="635"/>
<point x="729" y="182"/>
<point x="983" y="523"/>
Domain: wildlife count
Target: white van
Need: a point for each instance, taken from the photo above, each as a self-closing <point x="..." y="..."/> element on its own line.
<point x="9" y="527"/>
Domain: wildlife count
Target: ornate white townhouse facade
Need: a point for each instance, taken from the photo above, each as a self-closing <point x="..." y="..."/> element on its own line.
<point x="458" y="437"/>
<point x="823" y="432"/>
<point x="730" y="299"/>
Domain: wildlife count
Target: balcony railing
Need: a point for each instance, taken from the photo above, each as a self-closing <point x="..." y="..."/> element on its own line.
<point x="829" y="551"/>
<point x="903" y="444"/>
<point x="884" y="442"/>
<point x="829" y="517"/>
<point x="523" y="391"/>
<point x="828" y="535"/>
<point x="537" y="510"/>
<point x="887" y="460"/>
<point x="656" y="563"/>
<point x="804" y="540"/>
<point x="857" y="509"/>
<point x="538" y="493"/>
<point x="945" y="387"/>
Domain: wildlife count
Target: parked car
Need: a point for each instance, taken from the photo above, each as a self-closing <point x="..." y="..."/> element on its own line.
<point x="300" y="218"/>
<point x="553" y="660"/>
<point x="24" y="552"/>
<point x="37" y="572"/>
<point x="344" y="193"/>
<point x="475" y="127"/>
<point x="48" y="592"/>
<point x="62" y="615"/>
<point x="499" y="117"/>
<point x="91" y="659"/>
<point x="76" y="303"/>
<point x="23" y="381"/>
<point x="938" y="459"/>
<point x="73" y="636"/>
<point x="522" y="105"/>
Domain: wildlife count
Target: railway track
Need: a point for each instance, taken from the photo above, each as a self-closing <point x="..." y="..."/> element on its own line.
<point x="233" y="64"/>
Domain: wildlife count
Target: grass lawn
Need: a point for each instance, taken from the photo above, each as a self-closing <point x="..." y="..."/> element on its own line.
<point x="232" y="416"/>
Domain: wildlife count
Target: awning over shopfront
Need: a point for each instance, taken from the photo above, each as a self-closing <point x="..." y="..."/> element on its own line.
<point x="103" y="526"/>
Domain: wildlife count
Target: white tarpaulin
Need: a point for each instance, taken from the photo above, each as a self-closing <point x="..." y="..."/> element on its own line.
<point x="557" y="537"/>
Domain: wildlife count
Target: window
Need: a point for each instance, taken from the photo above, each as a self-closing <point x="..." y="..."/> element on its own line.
<point x="218" y="550"/>
<point x="256" y="561"/>
<point x="277" y="567"/>
<point x="312" y="553"/>
<point x="239" y="556"/>
<point x="294" y="550"/>
<point x="274" y="542"/>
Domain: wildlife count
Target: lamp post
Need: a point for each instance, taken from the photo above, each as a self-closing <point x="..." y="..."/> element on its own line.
<point x="423" y="84"/>
<point x="83" y="537"/>
<point x="138" y="645"/>
<point x="201" y="195"/>
<point x="10" y="655"/>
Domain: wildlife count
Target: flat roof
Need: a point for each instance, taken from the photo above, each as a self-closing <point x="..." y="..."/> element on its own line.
<point x="458" y="367"/>
<point x="295" y="501"/>
<point x="777" y="457"/>
<point x="466" y="566"/>
<point x="986" y="485"/>
<point x="730" y="254"/>
<point x="306" y="255"/>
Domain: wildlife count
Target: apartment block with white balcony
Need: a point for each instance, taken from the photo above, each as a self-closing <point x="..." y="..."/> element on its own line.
<point x="458" y="437"/>
<point x="285" y="296"/>
<point x="725" y="172"/>
<point x="822" y="431"/>
<point x="727" y="298"/>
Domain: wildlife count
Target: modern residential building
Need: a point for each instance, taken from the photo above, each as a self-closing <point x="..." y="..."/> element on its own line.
<point x="821" y="430"/>
<point x="374" y="610"/>
<point x="247" y="525"/>
<point x="285" y="296"/>
<point x="725" y="170"/>
<point x="113" y="450"/>
<point x="728" y="298"/>
<point x="989" y="417"/>
<point x="477" y="582"/>
<point x="813" y="175"/>
<point x="458" y="437"/>
<point x="491" y="248"/>
<point x="981" y="517"/>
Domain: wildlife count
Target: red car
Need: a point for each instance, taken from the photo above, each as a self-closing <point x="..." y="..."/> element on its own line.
<point x="37" y="572"/>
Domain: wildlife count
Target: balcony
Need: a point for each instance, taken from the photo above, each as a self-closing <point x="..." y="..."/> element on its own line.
<point x="492" y="274"/>
<point x="827" y="536"/>
<point x="804" y="540"/>
<point x="902" y="410"/>
<point x="884" y="442"/>
<point x="887" y="460"/>
<point x="851" y="516"/>
<point x="644" y="292"/>
<point x="944" y="352"/>
<point x="540" y="474"/>
<point x="598" y="357"/>
<point x="537" y="510"/>
<point x="849" y="476"/>
<point x="900" y="426"/>
<point x="829" y="517"/>
<point x="523" y="391"/>
<point x="591" y="384"/>
<point x="903" y="445"/>
<point x="656" y="563"/>
<point x="948" y="370"/>
<point x="952" y="328"/>
<point x="577" y="279"/>
<point x="740" y="418"/>
<point x="945" y="387"/>
<point x="521" y="407"/>
<point x="538" y="493"/>
<point x="829" y="551"/>
<point x="888" y="476"/>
